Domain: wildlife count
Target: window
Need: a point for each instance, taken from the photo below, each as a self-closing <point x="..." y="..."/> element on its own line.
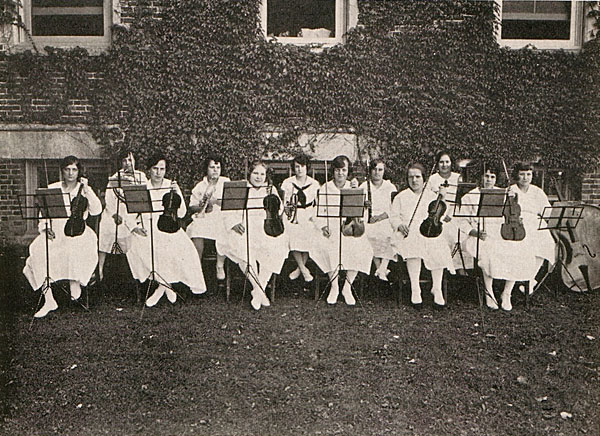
<point x="68" y="23"/>
<point x="544" y="24"/>
<point x="308" y="21"/>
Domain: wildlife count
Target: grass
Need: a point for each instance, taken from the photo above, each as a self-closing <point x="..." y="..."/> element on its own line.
<point x="202" y="367"/>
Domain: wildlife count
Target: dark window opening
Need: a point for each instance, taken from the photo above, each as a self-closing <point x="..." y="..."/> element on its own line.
<point x="288" y="18"/>
<point x="67" y="18"/>
<point x="539" y="19"/>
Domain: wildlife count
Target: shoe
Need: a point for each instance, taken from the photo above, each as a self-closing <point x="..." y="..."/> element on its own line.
<point x="417" y="306"/>
<point x="307" y="276"/>
<point x="264" y="299"/>
<point x="438" y="307"/>
<point x="153" y="299"/>
<point x="197" y="291"/>
<point x="415" y="299"/>
<point x="490" y="302"/>
<point x="531" y="287"/>
<point x="75" y="290"/>
<point x="295" y="274"/>
<point x="382" y="275"/>
<point x="171" y="295"/>
<point x="334" y="292"/>
<point x="506" y="304"/>
<point x="49" y="306"/>
<point x="220" y="273"/>
<point x="438" y="299"/>
<point x="348" y="297"/>
<point x="256" y="300"/>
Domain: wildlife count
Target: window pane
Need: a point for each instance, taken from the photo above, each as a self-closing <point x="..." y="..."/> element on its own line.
<point x="67" y="18"/>
<point x="536" y="20"/>
<point x="288" y="17"/>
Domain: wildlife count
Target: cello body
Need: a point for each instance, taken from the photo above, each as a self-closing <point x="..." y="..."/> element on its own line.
<point x="579" y="250"/>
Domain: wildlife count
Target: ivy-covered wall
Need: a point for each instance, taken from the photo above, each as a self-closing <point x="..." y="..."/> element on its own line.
<point x="414" y="77"/>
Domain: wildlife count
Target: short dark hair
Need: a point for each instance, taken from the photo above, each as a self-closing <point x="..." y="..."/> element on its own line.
<point x="340" y="162"/>
<point x="156" y="158"/>
<point x="300" y="159"/>
<point x="69" y="160"/>
<point x="373" y="164"/>
<point x="415" y="165"/>
<point x="256" y="163"/>
<point x="441" y="153"/>
<point x="521" y="166"/>
<point x="211" y="158"/>
<point x="124" y="153"/>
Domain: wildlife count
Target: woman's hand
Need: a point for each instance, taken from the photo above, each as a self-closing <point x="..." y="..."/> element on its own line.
<point x="50" y="232"/>
<point x="140" y="231"/>
<point x="326" y="232"/>
<point x="403" y="228"/>
<point x="117" y="218"/>
<point x="239" y="229"/>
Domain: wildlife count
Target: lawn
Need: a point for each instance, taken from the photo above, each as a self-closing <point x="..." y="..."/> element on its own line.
<point x="205" y="367"/>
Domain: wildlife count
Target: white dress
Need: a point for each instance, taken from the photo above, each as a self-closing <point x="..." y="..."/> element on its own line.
<point x="268" y="251"/>
<point x="451" y="229"/>
<point x="435" y="252"/>
<point x="71" y="258"/>
<point x="380" y="233"/>
<point x="175" y="257"/>
<point x="357" y="253"/>
<point x="106" y="234"/>
<point x="208" y="224"/>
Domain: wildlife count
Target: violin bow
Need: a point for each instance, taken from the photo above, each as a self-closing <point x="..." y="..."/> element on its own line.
<point x="369" y="195"/>
<point x="326" y="196"/>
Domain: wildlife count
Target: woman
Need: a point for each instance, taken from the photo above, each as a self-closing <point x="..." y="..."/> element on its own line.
<point x="300" y="192"/>
<point x="175" y="257"/>
<point x="409" y="209"/>
<point x="378" y="226"/>
<point x="71" y="258"/>
<point x="461" y="259"/>
<point x="356" y="250"/>
<point x="115" y="223"/>
<point x="266" y="253"/>
<point x="205" y="205"/>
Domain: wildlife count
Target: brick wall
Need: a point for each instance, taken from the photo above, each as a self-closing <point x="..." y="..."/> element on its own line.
<point x="590" y="188"/>
<point x="12" y="183"/>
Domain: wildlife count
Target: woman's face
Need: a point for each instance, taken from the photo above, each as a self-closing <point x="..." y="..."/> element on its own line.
<point x="213" y="170"/>
<point x="70" y="173"/>
<point x="157" y="171"/>
<point x="524" y="178"/>
<point x="444" y="165"/>
<point x="300" y="170"/>
<point x="489" y="179"/>
<point x="128" y="162"/>
<point x="340" y="175"/>
<point x="258" y="176"/>
<point x="377" y="172"/>
<point x="415" y="179"/>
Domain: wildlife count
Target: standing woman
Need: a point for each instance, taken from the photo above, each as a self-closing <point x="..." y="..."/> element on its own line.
<point x="110" y="219"/>
<point x="72" y="258"/>
<point x="461" y="259"/>
<point x="205" y="205"/>
<point x="356" y="250"/>
<point x="267" y="253"/>
<point x="175" y="257"/>
<point x="409" y="209"/>
<point x="300" y="192"/>
<point x="378" y="226"/>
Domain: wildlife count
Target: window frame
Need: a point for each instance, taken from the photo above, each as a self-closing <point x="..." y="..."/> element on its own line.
<point x="341" y="27"/>
<point x="574" y="42"/>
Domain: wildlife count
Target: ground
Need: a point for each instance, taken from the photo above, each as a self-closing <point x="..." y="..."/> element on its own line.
<point x="205" y="367"/>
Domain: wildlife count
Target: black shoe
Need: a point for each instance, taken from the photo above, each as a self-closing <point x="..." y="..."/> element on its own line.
<point x="417" y="306"/>
<point x="439" y="307"/>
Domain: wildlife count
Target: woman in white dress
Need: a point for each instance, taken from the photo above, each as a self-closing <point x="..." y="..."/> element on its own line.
<point x="175" y="257"/>
<point x="266" y="253"/>
<point x="300" y="193"/>
<point x="378" y="228"/>
<point x="461" y="258"/>
<point x="356" y="250"/>
<point x="205" y="205"/>
<point x="72" y="258"/>
<point x="409" y="209"/>
<point x="115" y="220"/>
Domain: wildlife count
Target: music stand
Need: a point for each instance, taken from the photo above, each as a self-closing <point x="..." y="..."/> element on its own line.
<point x="49" y="203"/>
<point x="486" y="203"/>
<point x="351" y="205"/>
<point x="236" y="195"/>
<point x="117" y="186"/>
<point x="562" y="215"/>
<point x="137" y="199"/>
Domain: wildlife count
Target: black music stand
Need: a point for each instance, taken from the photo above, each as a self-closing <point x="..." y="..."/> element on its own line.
<point x="117" y="184"/>
<point x="562" y="215"/>
<point x="351" y="205"/>
<point x="49" y="203"/>
<point x="487" y="203"/>
<point x="236" y="195"/>
<point x="138" y="200"/>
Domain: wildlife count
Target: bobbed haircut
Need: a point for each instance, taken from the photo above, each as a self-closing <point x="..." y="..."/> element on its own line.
<point x="156" y="158"/>
<point x="415" y="165"/>
<point x="69" y="160"/>
<point x="521" y="166"/>
<point x="211" y="158"/>
<point x="300" y="159"/>
<point x="373" y="164"/>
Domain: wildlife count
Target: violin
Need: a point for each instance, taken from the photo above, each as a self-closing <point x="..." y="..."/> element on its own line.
<point x="512" y="229"/>
<point x="431" y="227"/>
<point x="273" y="224"/>
<point x="75" y="225"/>
<point x="168" y="221"/>
<point x="354" y="226"/>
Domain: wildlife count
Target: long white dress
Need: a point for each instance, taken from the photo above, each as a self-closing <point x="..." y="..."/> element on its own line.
<point x="435" y="252"/>
<point x="106" y="234"/>
<point x="266" y="252"/>
<point x="380" y="233"/>
<point x="175" y="257"/>
<point x="461" y="258"/>
<point x="70" y="258"/>
<point x="356" y="251"/>
<point x="208" y="224"/>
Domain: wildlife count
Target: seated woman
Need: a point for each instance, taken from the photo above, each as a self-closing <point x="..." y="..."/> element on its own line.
<point x="175" y="257"/>
<point x="266" y="253"/>
<point x="409" y="210"/>
<point x="205" y="205"/>
<point x="115" y="224"/>
<point x="300" y="192"/>
<point x="356" y="250"/>
<point x="378" y="226"/>
<point x="72" y="258"/>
